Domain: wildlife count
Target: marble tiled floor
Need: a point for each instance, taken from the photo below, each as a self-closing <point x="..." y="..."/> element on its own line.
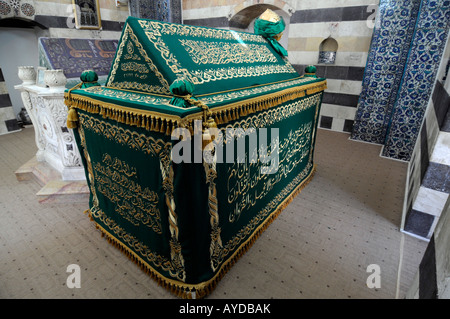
<point x="320" y="246"/>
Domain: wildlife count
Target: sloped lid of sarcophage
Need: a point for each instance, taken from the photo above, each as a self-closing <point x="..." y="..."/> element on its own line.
<point x="152" y="54"/>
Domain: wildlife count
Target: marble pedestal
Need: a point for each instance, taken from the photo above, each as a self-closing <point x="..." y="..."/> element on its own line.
<point x="57" y="165"/>
<point x="55" y="142"/>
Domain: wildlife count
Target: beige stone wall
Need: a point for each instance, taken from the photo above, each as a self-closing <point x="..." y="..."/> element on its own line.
<point x="64" y="8"/>
<point x="195" y="4"/>
<point x="195" y="9"/>
<point x="108" y="9"/>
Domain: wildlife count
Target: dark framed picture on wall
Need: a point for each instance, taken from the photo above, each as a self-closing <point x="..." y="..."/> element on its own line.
<point x="87" y="14"/>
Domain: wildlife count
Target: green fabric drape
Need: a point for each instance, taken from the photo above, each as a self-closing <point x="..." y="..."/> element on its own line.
<point x="187" y="223"/>
<point x="153" y="54"/>
<point x="269" y="30"/>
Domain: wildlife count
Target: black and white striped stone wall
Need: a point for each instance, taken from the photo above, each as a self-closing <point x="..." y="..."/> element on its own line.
<point x="8" y="121"/>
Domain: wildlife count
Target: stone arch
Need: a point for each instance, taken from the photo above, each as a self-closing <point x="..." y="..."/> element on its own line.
<point x="327" y="51"/>
<point x="243" y="15"/>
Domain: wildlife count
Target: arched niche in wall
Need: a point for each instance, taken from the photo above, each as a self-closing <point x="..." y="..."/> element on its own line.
<point x="242" y="17"/>
<point x="327" y="51"/>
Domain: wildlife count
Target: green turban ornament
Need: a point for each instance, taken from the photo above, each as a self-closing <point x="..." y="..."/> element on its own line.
<point x="181" y="90"/>
<point x="89" y="78"/>
<point x="310" y="71"/>
<point x="271" y="26"/>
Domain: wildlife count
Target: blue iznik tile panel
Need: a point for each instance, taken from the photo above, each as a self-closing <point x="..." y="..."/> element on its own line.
<point x="162" y="10"/>
<point x="406" y="50"/>
<point x="76" y="55"/>
<point x="388" y="53"/>
<point x="419" y="77"/>
<point x="157" y="10"/>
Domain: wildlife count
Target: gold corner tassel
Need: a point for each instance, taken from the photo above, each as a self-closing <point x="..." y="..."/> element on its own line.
<point x="72" y="118"/>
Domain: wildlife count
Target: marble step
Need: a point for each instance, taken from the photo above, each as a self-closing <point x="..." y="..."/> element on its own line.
<point x="41" y="172"/>
<point x="54" y="188"/>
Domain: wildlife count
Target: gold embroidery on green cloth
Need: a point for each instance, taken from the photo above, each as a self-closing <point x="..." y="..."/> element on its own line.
<point x="148" y="145"/>
<point x="126" y="137"/>
<point x="136" y="204"/>
<point x="246" y="236"/>
<point x="282" y="87"/>
<point x="90" y="171"/>
<point x="140" y="250"/>
<point x="131" y="95"/>
<point x="223" y="255"/>
<point x="127" y="85"/>
<point x="272" y="116"/>
<point x="119" y="237"/>
<point x="243" y="179"/>
<point x="234" y="110"/>
<point x="241" y="182"/>
<point x="150" y="120"/>
<point x="203" y="52"/>
<point x="154" y="31"/>
<point x="135" y="68"/>
<point x="209" y="99"/>
<point x="316" y="116"/>
<point x="166" y="123"/>
<point x="154" y="36"/>
<point x="119" y="166"/>
<point x="214" y="98"/>
<point x="210" y="75"/>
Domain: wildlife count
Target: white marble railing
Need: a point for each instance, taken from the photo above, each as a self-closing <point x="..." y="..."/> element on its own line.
<point x="45" y="106"/>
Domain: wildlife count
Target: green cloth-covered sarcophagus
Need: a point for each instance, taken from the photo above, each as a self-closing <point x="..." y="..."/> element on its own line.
<point x="197" y="141"/>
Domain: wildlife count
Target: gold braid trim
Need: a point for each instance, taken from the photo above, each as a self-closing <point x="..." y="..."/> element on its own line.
<point x="166" y="123"/>
<point x="201" y="290"/>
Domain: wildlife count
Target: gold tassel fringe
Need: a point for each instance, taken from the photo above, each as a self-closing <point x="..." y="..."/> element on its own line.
<point x="164" y="123"/>
<point x="186" y="291"/>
